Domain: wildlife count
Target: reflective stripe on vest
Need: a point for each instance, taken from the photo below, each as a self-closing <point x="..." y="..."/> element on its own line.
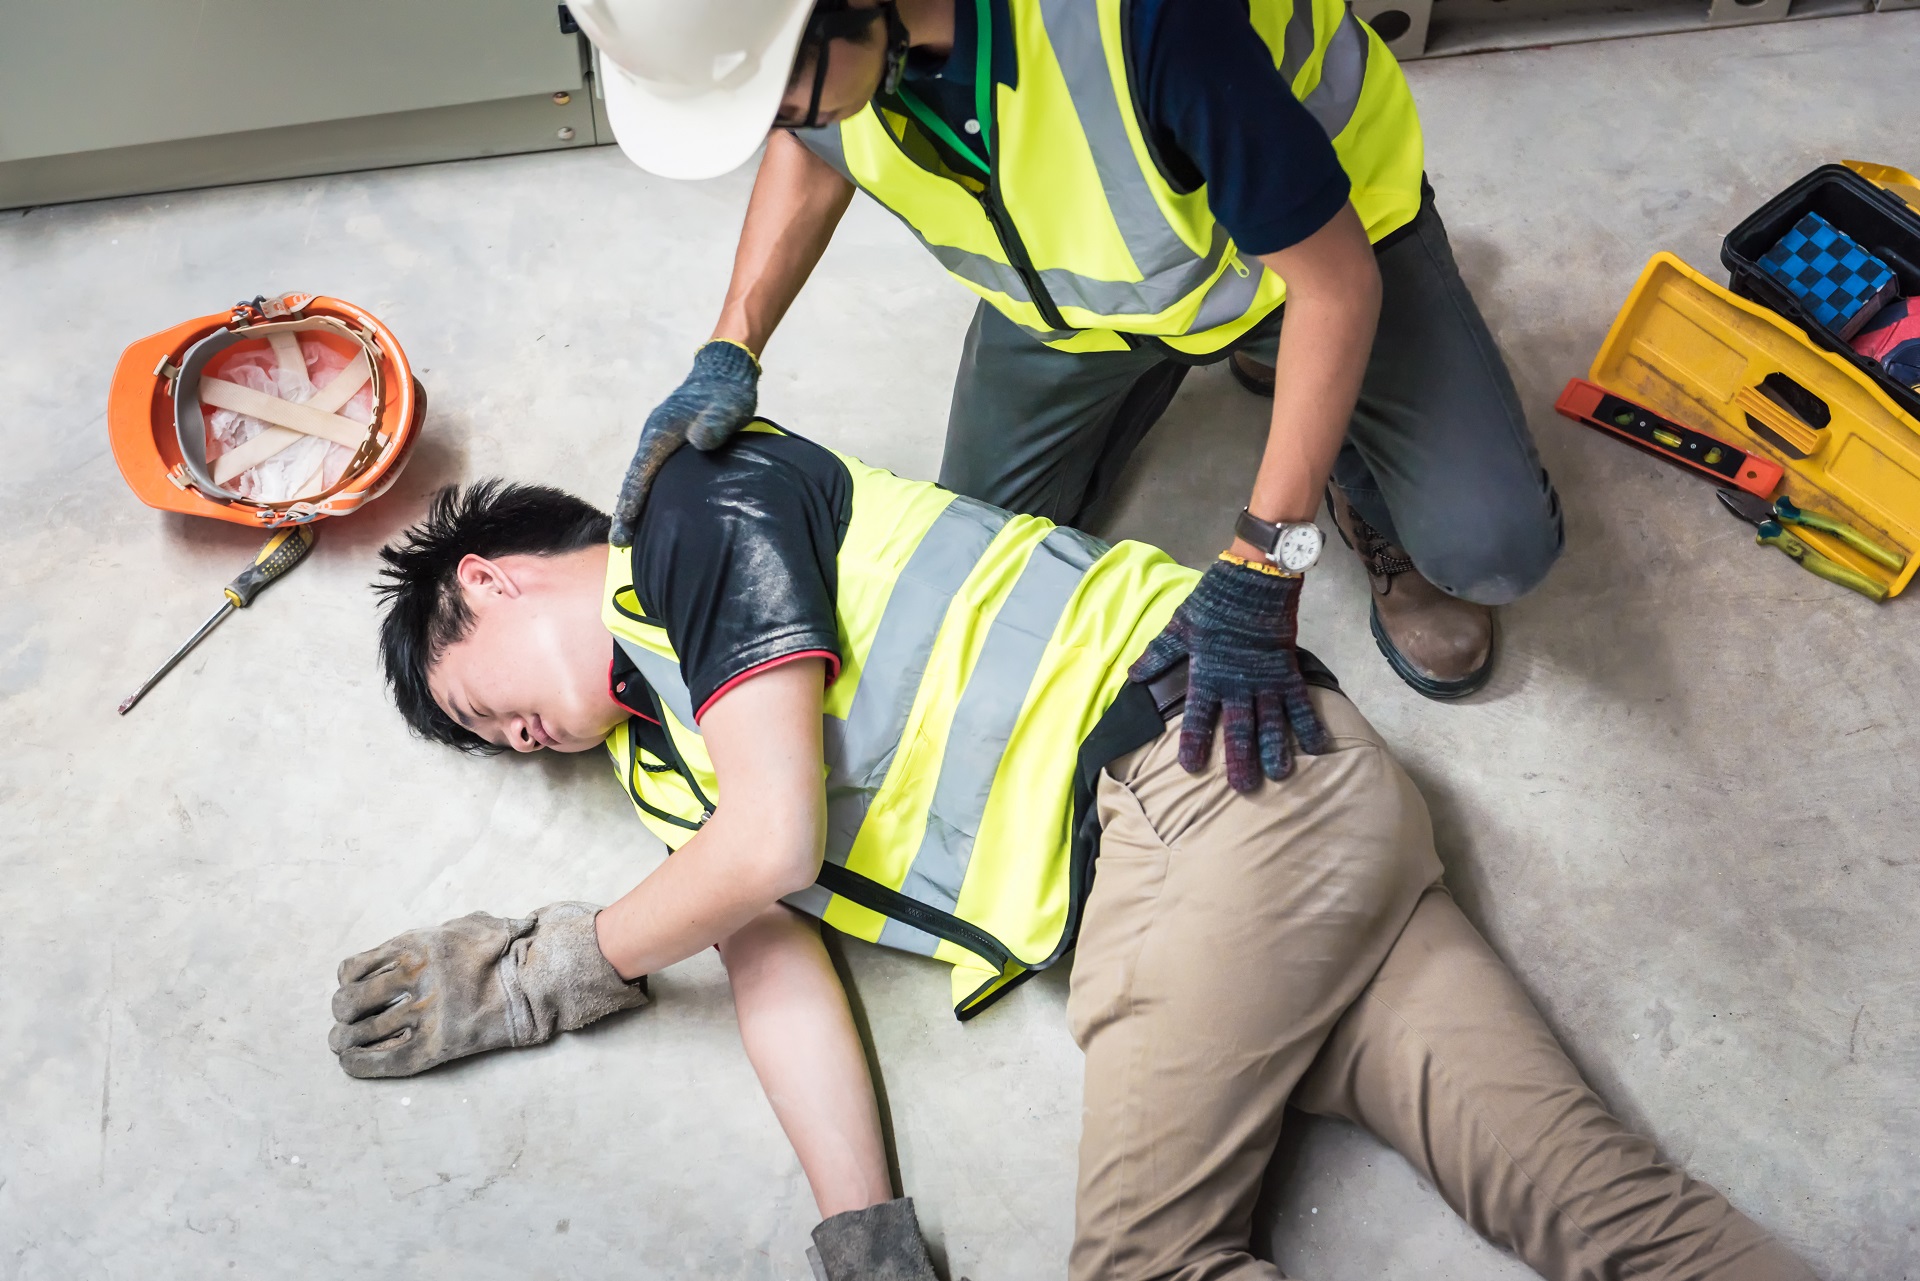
<point x="983" y="723"/>
<point x="979" y="650"/>
<point x="860" y="748"/>
<point x="1167" y="268"/>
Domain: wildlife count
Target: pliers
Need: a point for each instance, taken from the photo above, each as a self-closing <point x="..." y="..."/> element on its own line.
<point x="1772" y="519"/>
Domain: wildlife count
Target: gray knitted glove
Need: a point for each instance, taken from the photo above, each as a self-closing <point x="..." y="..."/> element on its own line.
<point x="476" y="983"/>
<point x="716" y="400"/>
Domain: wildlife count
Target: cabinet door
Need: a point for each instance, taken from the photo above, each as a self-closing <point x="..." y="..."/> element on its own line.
<point x="88" y="75"/>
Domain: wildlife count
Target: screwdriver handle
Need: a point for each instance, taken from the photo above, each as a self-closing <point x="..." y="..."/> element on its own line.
<point x="282" y="552"/>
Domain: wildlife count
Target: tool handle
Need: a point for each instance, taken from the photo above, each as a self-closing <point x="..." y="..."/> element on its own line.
<point x="282" y="552"/>
<point x="1814" y="563"/>
<point x="1853" y="538"/>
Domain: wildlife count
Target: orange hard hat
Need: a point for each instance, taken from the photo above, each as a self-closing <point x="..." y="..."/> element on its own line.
<point x="158" y="427"/>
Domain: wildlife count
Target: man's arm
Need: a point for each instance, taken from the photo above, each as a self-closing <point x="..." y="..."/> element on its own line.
<point x="800" y="1037"/>
<point x="798" y="200"/>
<point x="764" y="739"/>
<point x="1326" y="336"/>
<point x="1237" y="629"/>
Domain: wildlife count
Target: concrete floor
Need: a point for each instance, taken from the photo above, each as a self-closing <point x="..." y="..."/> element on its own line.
<point x="1685" y="809"/>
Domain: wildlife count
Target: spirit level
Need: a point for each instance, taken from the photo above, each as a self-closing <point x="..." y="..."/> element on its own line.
<point x="1595" y="406"/>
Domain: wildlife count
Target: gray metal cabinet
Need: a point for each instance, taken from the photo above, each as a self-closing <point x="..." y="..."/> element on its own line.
<point x="110" y="97"/>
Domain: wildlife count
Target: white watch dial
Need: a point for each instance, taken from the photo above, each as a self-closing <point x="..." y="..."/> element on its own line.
<point x="1298" y="548"/>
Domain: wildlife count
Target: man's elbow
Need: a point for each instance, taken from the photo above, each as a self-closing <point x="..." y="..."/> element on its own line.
<point x="786" y="853"/>
<point x="792" y="870"/>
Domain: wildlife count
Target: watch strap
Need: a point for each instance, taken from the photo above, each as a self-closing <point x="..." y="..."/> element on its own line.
<point x="1258" y="533"/>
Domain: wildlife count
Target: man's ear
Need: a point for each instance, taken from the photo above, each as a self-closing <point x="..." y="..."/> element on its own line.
<point x="480" y="578"/>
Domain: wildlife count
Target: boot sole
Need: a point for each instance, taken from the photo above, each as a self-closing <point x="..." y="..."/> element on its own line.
<point x="1440" y="691"/>
<point x="1247" y="380"/>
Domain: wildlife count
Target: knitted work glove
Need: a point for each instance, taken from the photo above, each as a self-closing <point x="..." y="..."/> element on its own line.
<point x="716" y="400"/>
<point x="474" y="984"/>
<point x="1237" y="631"/>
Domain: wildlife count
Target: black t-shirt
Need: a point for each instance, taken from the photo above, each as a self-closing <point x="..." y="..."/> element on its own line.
<point x="736" y="554"/>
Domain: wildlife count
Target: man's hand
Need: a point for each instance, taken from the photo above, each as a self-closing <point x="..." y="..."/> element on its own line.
<point x="474" y="984"/>
<point x="797" y="201"/>
<point x="716" y="400"/>
<point x="1237" y="631"/>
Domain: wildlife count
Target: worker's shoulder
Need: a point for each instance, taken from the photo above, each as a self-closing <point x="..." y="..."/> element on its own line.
<point x="760" y="487"/>
<point x="769" y="464"/>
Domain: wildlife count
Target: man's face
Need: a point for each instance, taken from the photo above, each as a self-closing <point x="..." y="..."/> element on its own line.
<point x="532" y="672"/>
<point x="854" y="68"/>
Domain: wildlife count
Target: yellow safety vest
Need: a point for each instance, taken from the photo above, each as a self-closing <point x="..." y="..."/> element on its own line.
<point x="978" y="649"/>
<point x="1077" y="235"/>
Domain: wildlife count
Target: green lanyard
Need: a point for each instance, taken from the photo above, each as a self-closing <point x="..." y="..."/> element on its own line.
<point x="982" y="93"/>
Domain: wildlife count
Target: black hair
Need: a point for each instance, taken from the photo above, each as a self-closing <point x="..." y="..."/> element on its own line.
<point x="420" y="591"/>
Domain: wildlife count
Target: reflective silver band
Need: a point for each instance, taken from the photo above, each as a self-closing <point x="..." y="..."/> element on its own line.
<point x="983" y="724"/>
<point x="662" y="674"/>
<point x="825" y="143"/>
<point x="1298" y="44"/>
<point x="1343" y="74"/>
<point x="860" y="749"/>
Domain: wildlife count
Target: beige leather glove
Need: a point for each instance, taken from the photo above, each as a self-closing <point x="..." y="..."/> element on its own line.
<point x="474" y="984"/>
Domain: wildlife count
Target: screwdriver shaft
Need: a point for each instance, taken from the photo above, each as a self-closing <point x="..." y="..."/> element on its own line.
<point x="178" y="654"/>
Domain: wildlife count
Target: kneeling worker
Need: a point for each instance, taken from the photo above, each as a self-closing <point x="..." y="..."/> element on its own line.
<point x="1131" y="187"/>
<point x="924" y="706"/>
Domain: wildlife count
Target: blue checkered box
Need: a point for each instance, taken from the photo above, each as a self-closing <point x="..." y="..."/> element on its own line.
<point x="1840" y="284"/>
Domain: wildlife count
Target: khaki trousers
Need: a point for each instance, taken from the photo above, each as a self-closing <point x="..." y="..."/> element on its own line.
<point x="1241" y="952"/>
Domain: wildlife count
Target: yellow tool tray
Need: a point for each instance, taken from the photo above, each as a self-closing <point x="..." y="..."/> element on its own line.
<point x="1691" y="351"/>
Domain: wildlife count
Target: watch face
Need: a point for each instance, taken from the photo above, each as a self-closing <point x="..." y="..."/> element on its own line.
<point x="1298" y="548"/>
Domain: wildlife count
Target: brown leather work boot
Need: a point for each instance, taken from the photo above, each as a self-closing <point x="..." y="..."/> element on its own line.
<point x="1439" y="644"/>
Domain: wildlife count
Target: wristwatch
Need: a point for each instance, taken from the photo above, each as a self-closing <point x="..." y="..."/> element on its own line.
<point x="1293" y="546"/>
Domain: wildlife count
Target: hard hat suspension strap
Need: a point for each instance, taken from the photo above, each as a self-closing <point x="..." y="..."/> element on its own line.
<point x="837" y="20"/>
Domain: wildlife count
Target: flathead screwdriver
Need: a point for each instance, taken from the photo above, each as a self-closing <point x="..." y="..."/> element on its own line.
<point x="287" y="548"/>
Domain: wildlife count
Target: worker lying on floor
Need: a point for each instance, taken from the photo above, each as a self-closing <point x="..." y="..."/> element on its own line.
<point x="924" y="705"/>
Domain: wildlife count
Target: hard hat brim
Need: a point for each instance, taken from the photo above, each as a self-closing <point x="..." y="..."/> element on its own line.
<point x="704" y="135"/>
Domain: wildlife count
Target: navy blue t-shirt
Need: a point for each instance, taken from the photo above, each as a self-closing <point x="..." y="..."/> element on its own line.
<point x="1218" y="110"/>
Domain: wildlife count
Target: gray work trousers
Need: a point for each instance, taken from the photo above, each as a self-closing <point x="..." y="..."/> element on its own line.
<point x="1438" y="456"/>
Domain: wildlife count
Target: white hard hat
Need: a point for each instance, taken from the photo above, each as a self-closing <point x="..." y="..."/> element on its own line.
<point x="693" y="86"/>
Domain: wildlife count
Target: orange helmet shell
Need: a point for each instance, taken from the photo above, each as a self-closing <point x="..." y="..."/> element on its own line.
<point x="144" y="423"/>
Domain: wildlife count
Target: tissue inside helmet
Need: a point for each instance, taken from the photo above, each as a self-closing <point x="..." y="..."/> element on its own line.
<point x="291" y="366"/>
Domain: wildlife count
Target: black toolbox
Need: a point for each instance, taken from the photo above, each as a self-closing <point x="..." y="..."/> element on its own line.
<point x="1874" y="216"/>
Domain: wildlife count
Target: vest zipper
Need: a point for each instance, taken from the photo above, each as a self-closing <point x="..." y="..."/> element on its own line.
<point x="1010" y="243"/>
<point x="1016" y="250"/>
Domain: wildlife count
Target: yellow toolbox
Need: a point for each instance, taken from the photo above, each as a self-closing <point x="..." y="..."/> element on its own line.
<point x="1694" y="352"/>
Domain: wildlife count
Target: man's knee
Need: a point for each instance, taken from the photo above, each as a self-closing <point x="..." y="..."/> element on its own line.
<point x="1493" y="553"/>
